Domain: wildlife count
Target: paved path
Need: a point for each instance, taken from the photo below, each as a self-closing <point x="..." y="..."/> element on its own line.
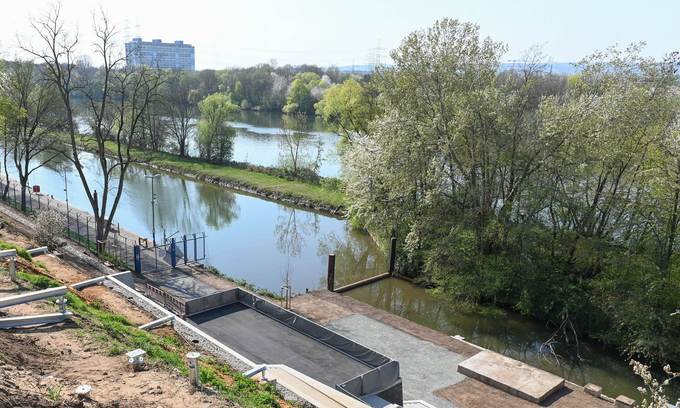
<point x="424" y="367"/>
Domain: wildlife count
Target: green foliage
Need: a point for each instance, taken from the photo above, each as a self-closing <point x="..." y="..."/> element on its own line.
<point x="348" y="107"/>
<point x="20" y="251"/>
<point x="557" y="197"/>
<point x="215" y="137"/>
<point x="39" y="281"/>
<point x="300" y="98"/>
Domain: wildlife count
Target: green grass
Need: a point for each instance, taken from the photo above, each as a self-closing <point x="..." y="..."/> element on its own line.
<point x="20" y="251"/>
<point x="245" y="284"/>
<point x="119" y="336"/>
<point x="327" y="193"/>
<point x="249" y="178"/>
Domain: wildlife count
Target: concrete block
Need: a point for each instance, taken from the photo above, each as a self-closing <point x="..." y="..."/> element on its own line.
<point x="624" y="402"/>
<point x="592" y="389"/>
<point x="511" y="376"/>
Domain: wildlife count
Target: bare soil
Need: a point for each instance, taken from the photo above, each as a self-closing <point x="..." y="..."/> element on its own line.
<point x="42" y="366"/>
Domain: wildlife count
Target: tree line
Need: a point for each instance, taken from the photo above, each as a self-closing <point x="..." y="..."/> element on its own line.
<point x="555" y="196"/>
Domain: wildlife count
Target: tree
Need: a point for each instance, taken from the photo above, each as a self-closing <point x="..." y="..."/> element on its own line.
<point x="215" y="137"/>
<point x="295" y="145"/>
<point x="32" y="132"/>
<point x="300" y="97"/>
<point x="348" y="108"/>
<point x="116" y="101"/>
<point x="180" y="99"/>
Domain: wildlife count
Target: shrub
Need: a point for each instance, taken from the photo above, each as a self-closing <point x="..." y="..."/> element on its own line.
<point x="49" y="227"/>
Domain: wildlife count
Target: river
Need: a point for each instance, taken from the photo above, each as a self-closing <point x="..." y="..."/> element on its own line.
<point x="267" y="244"/>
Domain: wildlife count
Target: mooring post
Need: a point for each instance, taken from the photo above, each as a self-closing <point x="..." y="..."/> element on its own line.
<point x="192" y="361"/>
<point x="393" y="254"/>
<point x="330" y="279"/>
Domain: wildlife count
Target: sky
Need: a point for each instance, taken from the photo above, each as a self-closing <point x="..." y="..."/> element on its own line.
<point x="231" y="33"/>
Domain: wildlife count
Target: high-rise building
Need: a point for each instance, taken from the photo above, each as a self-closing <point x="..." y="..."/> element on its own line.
<point x="156" y="53"/>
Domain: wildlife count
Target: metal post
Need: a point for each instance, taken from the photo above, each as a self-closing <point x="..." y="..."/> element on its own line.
<point x="192" y="361"/>
<point x="203" y="237"/>
<point x="195" y="249"/>
<point x="66" y="192"/>
<point x="330" y="278"/>
<point x="173" y="252"/>
<point x="78" y="226"/>
<point x="393" y="254"/>
<point x="153" y="208"/>
<point x="87" y="231"/>
<point x="38" y="202"/>
<point x="184" y="244"/>
<point x="30" y="200"/>
<point x="138" y="258"/>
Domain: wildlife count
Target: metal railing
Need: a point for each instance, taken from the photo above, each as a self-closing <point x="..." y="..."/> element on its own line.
<point x="173" y="303"/>
<point x="118" y="249"/>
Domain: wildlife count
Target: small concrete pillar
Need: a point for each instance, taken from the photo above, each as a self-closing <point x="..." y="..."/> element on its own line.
<point x="62" y="304"/>
<point x="136" y="359"/>
<point x="593" y="389"/>
<point x="624" y="402"/>
<point x="192" y="362"/>
<point x="13" y="269"/>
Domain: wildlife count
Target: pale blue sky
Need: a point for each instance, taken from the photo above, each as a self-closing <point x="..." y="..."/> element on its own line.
<point x="246" y="32"/>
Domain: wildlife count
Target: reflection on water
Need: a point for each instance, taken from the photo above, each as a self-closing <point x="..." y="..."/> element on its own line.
<point x="509" y="334"/>
<point x="249" y="238"/>
<point x="257" y="141"/>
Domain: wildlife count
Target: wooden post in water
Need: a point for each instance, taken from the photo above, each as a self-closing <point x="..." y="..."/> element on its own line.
<point x="330" y="278"/>
<point x="393" y="254"/>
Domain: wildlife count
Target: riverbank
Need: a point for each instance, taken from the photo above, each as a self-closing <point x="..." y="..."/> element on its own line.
<point x="317" y="197"/>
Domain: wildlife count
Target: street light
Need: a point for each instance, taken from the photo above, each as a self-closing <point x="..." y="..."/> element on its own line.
<point x="153" y="208"/>
<point x="66" y="193"/>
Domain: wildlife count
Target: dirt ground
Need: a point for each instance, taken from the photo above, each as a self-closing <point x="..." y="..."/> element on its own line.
<point x="42" y="366"/>
<point x="474" y="394"/>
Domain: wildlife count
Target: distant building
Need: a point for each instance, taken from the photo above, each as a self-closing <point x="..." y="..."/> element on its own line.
<point x="156" y="53"/>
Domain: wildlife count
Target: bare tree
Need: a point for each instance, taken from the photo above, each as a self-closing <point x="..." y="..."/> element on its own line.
<point x="31" y="133"/>
<point x="116" y="100"/>
<point x="181" y="107"/>
<point x="295" y="145"/>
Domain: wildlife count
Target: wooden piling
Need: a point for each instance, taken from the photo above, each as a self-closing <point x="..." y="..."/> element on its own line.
<point x="393" y="254"/>
<point x="330" y="278"/>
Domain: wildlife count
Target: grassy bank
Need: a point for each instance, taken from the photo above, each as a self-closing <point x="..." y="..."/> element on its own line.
<point x="322" y="196"/>
<point x="117" y="335"/>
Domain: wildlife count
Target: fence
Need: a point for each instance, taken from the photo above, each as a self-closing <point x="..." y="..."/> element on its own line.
<point x="174" y="304"/>
<point x="117" y="249"/>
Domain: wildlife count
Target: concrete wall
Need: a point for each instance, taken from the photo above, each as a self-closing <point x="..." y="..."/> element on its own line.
<point x="209" y="302"/>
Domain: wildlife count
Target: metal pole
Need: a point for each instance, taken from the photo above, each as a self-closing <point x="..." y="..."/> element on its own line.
<point x="153" y="208"/>
<point x="330" y="278"/>
<point x="184" y="245"/>
<point x="195" y="248"/>
<point x="78" y="226"/>
<point x="66" y="192"/>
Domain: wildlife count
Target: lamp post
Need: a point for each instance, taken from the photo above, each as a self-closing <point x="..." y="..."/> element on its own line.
<point x="153" y="208"/>
<point x="66" y="194"/>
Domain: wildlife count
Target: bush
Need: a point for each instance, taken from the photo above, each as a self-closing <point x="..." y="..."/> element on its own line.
<point x="49" y="228"/>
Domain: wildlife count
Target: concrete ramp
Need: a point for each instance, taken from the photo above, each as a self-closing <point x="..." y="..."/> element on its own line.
<point x="511" y="376"/>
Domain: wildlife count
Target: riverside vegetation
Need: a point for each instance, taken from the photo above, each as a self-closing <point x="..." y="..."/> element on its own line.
<point x="556" y="196"/>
